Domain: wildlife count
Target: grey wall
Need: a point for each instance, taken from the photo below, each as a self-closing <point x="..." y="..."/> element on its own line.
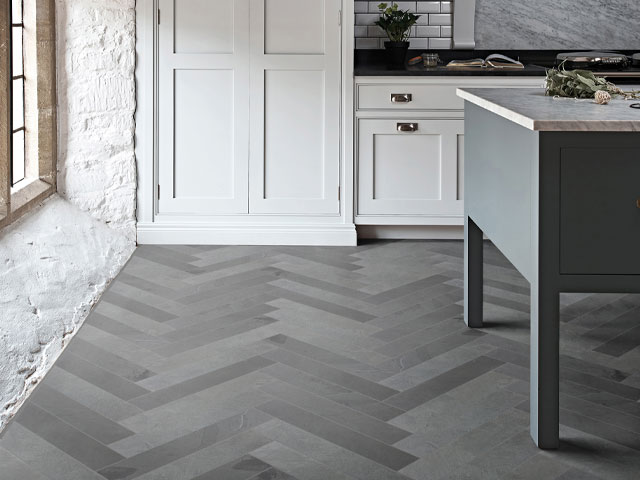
<point x="558" y="24"/>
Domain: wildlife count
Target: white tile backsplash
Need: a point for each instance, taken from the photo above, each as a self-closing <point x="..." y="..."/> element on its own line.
<point x="432" y="31"/>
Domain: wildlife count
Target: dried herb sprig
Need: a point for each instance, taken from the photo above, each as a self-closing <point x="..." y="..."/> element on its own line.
<point x="582" y="84"/>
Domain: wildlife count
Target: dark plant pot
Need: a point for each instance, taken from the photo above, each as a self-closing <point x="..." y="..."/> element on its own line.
<point x="396" y="54"/>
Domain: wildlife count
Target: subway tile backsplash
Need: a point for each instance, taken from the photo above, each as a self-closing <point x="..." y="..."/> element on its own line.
<point x="433" y="30"/>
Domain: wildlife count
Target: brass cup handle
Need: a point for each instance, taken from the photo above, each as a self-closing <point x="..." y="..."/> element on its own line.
<point x="407" y="127"/>
<point x="401" y="97"/>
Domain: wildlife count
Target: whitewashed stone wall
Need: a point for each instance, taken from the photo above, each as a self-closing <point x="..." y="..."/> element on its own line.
<point x="56" y="262"/>
<point x="96" y="98"/>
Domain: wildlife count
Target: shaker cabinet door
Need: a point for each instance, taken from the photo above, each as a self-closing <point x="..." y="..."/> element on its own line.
<point x="600" y="211"/>
<point x="410" y="167"/>
<point x="295" y="107"/>
<point x="203" y="106"/>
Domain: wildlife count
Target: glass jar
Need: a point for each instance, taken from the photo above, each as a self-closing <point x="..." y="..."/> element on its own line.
<point x="431" y="59"/>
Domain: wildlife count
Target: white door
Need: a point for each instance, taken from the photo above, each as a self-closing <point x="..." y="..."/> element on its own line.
<point x="203" y="106"/>
<point x="295" y="107"/>
<point x="410" y="167"/>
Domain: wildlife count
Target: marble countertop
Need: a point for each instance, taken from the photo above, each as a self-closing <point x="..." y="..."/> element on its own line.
<point x="532" y="109"/>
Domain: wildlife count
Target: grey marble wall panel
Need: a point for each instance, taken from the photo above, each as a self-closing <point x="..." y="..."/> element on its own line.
<point x="558" y="24"/>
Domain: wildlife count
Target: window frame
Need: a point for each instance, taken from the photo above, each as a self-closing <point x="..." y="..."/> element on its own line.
<point x="39" y="105"/>
<point x="22" y="78"/>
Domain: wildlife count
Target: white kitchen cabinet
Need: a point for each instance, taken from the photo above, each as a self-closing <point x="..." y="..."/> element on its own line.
<point x="295" y="107"/>
<point x="249" y="96"/>
<point x="409" y="166"/>
<point x="415" y="177"/>
<point x="203" y="105"/>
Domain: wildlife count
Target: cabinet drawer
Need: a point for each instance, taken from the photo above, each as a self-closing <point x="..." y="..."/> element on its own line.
<point x="600" y="211"/>
<point x="408" y="97"/>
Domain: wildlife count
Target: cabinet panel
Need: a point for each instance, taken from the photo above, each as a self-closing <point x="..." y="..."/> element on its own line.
<point x="295" y="108"/>
<point x="408" y="173"/>
<point x="203" y="118"/>
<point x="204" y="26"/>
<point x="203" y="110"/>
<point x="294" y="135"/>
<point x="600" y="211"/>
<point x="418" y="157"/>
<point x="294" y="26"/>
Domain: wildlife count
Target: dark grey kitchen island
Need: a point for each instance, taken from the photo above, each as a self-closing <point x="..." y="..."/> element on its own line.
<point x="555" y="185"/>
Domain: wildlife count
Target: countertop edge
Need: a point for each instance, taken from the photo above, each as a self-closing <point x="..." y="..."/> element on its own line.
<point x="504" y="112"/>
<point x="543" y="124"/>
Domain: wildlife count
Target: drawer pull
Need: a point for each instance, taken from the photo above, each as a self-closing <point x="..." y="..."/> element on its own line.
<point x="407" y="127"/>
<point x="638" y="203"/>
<point x="401" y="97"/>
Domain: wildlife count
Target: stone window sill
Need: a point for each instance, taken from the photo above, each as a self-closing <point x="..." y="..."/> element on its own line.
<point x="25" y="199"/>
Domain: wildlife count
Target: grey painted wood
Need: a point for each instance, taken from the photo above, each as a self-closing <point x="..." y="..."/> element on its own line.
<point x="473" y="273"/>
<point x="556" y="204"/>
<point x="502" y="155"/>
<point x="600" y="214"/>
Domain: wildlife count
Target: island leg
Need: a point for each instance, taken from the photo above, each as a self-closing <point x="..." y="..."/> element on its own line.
<point x="545" y="358"/>
<point x="473" y="271"/>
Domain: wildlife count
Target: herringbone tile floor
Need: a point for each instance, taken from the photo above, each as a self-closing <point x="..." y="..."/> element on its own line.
<point x="239" y="363"/>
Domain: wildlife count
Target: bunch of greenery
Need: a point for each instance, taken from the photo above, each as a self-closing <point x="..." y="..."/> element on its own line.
<point x="581" y="84"/>
<point x="395" y="22"/>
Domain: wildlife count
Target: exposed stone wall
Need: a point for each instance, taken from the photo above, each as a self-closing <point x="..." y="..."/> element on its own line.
<point x="96" y="105"/>
<point x="57" y="261"/>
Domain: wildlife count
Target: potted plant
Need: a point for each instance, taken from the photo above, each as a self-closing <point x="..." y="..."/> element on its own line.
<point x="397" y="25"/>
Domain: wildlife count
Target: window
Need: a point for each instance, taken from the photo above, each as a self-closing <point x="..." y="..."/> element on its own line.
<point x="18" y="130"/>
<point x="27" y="105"/>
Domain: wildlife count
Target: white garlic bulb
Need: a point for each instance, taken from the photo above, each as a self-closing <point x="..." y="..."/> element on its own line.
<point x="602" y="97"/>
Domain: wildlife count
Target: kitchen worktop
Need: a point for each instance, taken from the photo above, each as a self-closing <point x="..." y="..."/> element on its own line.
<point x="441" y="71"/>
<point x="531" y="108"/>
<point x="372" y="63"/>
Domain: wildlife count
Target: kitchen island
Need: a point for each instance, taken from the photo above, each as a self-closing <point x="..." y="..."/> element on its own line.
<point x="555" y="185"/>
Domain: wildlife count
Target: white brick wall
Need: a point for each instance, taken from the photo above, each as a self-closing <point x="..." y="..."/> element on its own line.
<point x="432" y="31"/>
<point x="96" y="105"/>
<point x="58" y="260"/>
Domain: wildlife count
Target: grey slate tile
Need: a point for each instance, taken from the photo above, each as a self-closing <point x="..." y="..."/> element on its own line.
<point x="245" y="468"/>
<point x="621" y="344"/>
<point x="63" y="436"/>
<point x="157" y="457"/>
<point x="215" y="335"/>
<point x="431" y="350"/>
<point x="406" y="289"/>
<point x="335" y="412"/>
<point x="327" y="357"/>
<point x="197" y="384"/>
<point x="43" y="457"/>
<point x="419" y="323"/>
<point x="300" y="466"/>
<point x="350" y="313"/>
<point x="107" y="360"/>
<point x="112" y="383"/>
<point x="598" y="383"/>
<point x="136" y="307"/>
<point x="347" y="380"/>
<point x="79" y="416"/>
<point x="367" y="447"/>
<point x="273" y="474"/>
<point x="443" y="383"/>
